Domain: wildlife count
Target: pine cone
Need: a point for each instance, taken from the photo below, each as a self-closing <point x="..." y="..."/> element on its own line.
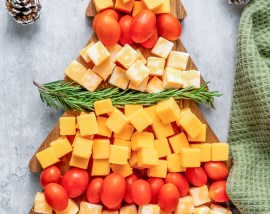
<point x="24" y="11"/>
<point x="237" y="1"/>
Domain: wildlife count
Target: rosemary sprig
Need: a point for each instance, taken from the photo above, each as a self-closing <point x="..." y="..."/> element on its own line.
<point x="74" y="97"/>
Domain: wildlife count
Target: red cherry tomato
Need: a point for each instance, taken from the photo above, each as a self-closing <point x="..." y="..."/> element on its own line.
<point x="108" y="12"/>
<point x="125" y="25"/>
<point x="143" y="26"/>
<point x="216" y="170"/>
<point x="129" y="181"/>
<point x="56" y="196"/>
<point x="179" y="181"/>
<point x="196" y="176"/>
<point x="169" y="27"/>
<point x="51" y="174"/>
<point x="113" y="190"/>
<point x="217" y="191"/>
<point x="75" y="182"/>
<point x="150" y="43"/>
<point x="155" y="184"/>
<point x="93" y="190"/>
<point x="168" y="198"/>
<point x="141" y="192"/>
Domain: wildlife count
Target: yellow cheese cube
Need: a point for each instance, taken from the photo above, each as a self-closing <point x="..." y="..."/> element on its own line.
<point x="118" y="155"/>
<point x="178" y="142"/>
<point x="220" y="151"/>
<point x="205" y="151"/>
<point x="151" y="112"/>
<point x="130" y="109"/>
<point x="86" y="208"/>
<point x="133" y="161"/>
<point x="172" y="78"/>
<point x="88" y="124"/>
<point x="191" y="78"/>
<point x="126" y="133"/>
<point x="141" y="58"/>
<point x="174" y="164"/>
<point x="159" y="171"/>
<point x="119" y="142"/>
<point x="155" y="85"/>
<point x="47" y="157"/>
<point x="61" y="146"/>
<point x="103" y="130"/>
<point x="152" y="4"/>
<point x="103" y="4"/>
<point x="162" y="48"/>
<point x="137" y="73"/>
<point x="138" y="7"/>
<point x="149" y="209"/>
<point x="100" y="167"/>
<point x="105" y="69"/>
<point x="147" y="158"/>
<point x="114" y="50"/>
<point x="128" y="209"/>
<point x="141" y="140"/>
<point x="190" y="157"/>
<point x="90" y="80"/>
<point x="164" y="8"/>
<point x="156" y="66"/>
<point x="72" y="208"/>
<point x="124" y="170"/>
<point x="125" y="8"/>
<point x="83" y="148"/>
<point x="101" y="149"/>
<point x="201" y="137"/>
<point x="185" y="205"/>
<point x="127" y="56"/>
<point x="140" y="120"/>
<point x="141" y="87"/>
<point x="162" y="147"/>
<point x="98" y="53"/>
<point x="79" y="162"/>
<point x="202" y="210"/>
<point x="75" y="71"/>
<point x="118" y="78"/>
<point x="178" y="60"/>
<point x="78" y="136"/>
<point x="168" y="110"/>
<point x="200" y="195"/>
<point x="192" y="125"/>
<point x="41" y="205"/>
<point x="83" y="53"/>
<point x="117" y="121"/>
<point x="219" y="209"/>
<point x="67" y="125"/>
<point x="109" y="212"/>
<point x="182" y="113"/>
<point x="162" y="130"/>
<point x="103" y="106"/>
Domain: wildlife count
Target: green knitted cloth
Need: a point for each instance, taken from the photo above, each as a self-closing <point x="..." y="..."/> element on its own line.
<point x="249" y="138"/>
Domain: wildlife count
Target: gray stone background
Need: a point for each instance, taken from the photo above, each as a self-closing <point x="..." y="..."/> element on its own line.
<point x="43" y="50"/>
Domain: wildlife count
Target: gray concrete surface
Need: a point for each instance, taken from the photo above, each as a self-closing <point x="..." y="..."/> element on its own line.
<point x="43" y="50"/>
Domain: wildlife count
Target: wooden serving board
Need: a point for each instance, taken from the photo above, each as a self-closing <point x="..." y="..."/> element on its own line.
<point x="177" y="9"/>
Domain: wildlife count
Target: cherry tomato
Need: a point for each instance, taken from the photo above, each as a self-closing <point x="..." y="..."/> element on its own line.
<point x="56" y="196"/>
<point x="108" y="12"/>
<point x="108" y="30"/>
<point x="113" y="190"/>
<point x="143" y="26"/>
<point x="179" y="181"/>
<point x="150" y="43"/>
<point x="125" y="24"/>
<point x="129" y="181"/>
<point x="155" y="184"/>
<point x="196" y="176"/>
<point x="75" y="182"/>
<point x="169" y="27"/>
<point x="168" y="198"/>
<point x="93" y="190"/>
<point x="217" y="191"/>
<point x="51" y="174"/>
<point x="216" y="170"/>
<point x="141" y="192"/>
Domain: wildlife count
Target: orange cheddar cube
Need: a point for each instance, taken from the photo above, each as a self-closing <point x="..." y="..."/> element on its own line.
<point x="200" y="195"/>
<point x="67" y="125"/>
<point x="141" y="87"/>
<point x="133" y="160"/>
<point x="156" y="66"/>
<point x="138" y="7"/>
<point x="172" y="78"/>
<point x="47" y="157"/>
<point x="128" y="209"/>
<point x="103" y="130"/>
<point x="126" y="133"/>
<point x="61" y="146"/>
<point x="75" y="71"/>
<point x="100" y="167"/>
<point x="103" y="106"/>
<point x="190" y="157"/>
<point x="201" y="137"/>
<point x="185" y="205"/>
<point x="164" y="8"/>
<point x="162" y="48"/>
<point x="105" y="69"/>
<point x="90" y="80"/>
<point x="152" y="4"/>
<point x="168" y="110"/>
<point x="178" y="60"/>
<point x="41" y="205"/>
<point x="151" y="112"/>
<point x="117" y="121"/>
<point x="174" y="164"/>
<point x="141" y="140"/>
<point x="72" y="208"/>
<point x="130" y="109"/>
<point x="103" y="4"/>
<point x="147" y="158"/>
<point x="127" y="56"/>
<point x="182" y="113"/>
<point x="119" y="142"/>
<point x="159" y="171"/>
<point x="137" y="73"/>
<point x="178" y="142"/>
<point x="83" y="148"/>
<point x="155" y="85"/>
<point x="88" y="124"/>
<point x="98" y="53"/>
<point x="86" y="208"/>
<point x="124" y="170"/>
<point x="141" y="58"/>
<point x="205" y="151"/>
<point x="84" y="54"/>
<point x="114" y="50"/>
<point x="118" y="155"/>
<point x="124" y="7"/>
<point x="191" y="78"/>
<point x="78" y="136"/>
<point x="162" y="146"/>
<point x="192" y="125"/>
<point x="118" y="78"/>
<point x="220" y="151"/>
<point x="140" y="120"/>
<point x="78" y="162"/>
<point x="162" y="130"/>
<point x="101" y="149"/>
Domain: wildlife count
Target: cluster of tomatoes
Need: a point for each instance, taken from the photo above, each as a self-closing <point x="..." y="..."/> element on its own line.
<point x="111" y="27"/>
<point x="114" y="189"/>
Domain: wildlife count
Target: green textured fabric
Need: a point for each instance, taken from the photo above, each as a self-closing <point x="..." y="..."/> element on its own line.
<point x="249" y="138"/>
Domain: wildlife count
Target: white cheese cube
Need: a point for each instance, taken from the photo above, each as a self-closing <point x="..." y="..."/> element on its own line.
<point x="144" y="61"/>
<point x="155" y="85"/>
<point x="149" y="209"/>
<point x="140" y="87"/>
<point x="127" y="56"/>
<point x="118" y="78"/>
<point x="137" y="73"/>
<point x="90" y="80"/>
<point x="41" y="205"/>
<point x="75" y="70"/>
<point x="114" y="50"/>
<point x="109" y="212"/>
<point x="105" y="69"/>
<point x="216" y="209"/>
<point x="202" y="210"/>
<point x="128" y="209"/>
<point x="178" y="60"/>
<point x="185" y="205"/>
<point x="98" y="53"/>
<point x="84" y="54"/>
<point x="86" y="208"/>
<point x="156" y="66"/>
<point x="172" y="78"/>
<point x="191" y="78"/>
<point x="72" y="208"/>
<point x="162" y="48"/>
<point x="200" y="195"/>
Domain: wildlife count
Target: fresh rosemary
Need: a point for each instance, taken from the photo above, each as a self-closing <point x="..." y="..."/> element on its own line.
<point x="74" y="97"/>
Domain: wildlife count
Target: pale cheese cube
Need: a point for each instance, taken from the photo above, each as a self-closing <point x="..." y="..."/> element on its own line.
<point x="162" y="48"/>
<point x="142" y="58"/>
<point x="141" y="87"/>
<point x="72" y="208"/>
<point x="137" y="73"/>
<point x="216" y="209"/>
<point x="114" y="50"/>
<point x="172" y="78"/>
<point x="104" y="4"/>
<point x="118" y="78"/>
<point x="200" y="195"/>
<point x="191" y="78"/>
<point x="41" y="205"/>
<point x="127" y="56"/>
<point x="90" y="80"/>
<point x="202" y="210"/>
<point x="185" y="205"/>
<point x="75" y="70"/>
<point x="98" y="53"/>
<point x="86" y="208"/>
<point x="109" y="212"/>
<point x="155" y="85"/>
<point x="83" y="53"/>
<point x="156" y="66"/>
<point x="128" y="209"/>
<point x="178" y="60"/>
<point x="149" y="209"/>
<point x="105" y="69"/>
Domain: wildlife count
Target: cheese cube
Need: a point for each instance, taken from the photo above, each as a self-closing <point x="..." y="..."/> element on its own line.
<point x="103" y="130"/>
<point x="124" y="170"/>
<point x="191" y="78"/>
<point x="137" y="73"/>
<point x="220" y="151"/>
<point x="182" y="113"/>
<point x="172" y="78"/>
<point x="127" y="56"/>
<point x="159" y="171"/>
<point x="178" y="60"/>
<point x="67" y="125"/>
<point x="118" y="155"/>
<point x="156" y="66"/>
<point x="78" y="136"/>
<point x="201" y="137"/>
<point x="138" y="7"/>
<point x="141" y="58"/>
<point x="147" y="158"/>
<point x="114" y="50"/>
<point x="151" y="112"/>
<point x="202" y="210"/>
<point x="41" y="205"/>
<point x="162" y="130"/>
<point x="219" y="209"/>
<point x="168" y="110"/>
<point x="118" y="78"/>
<point x="174" y="164"/>
<point x="86" y="208"/>
<point x="191" y="124"/>
<point x="75" y="71"/>
<point x="72" y="208"/>
<point x="61" y="146"/>
<point x="155" y="85"/>
<point x="190" y="157"/>
<point x="130" y="109"/>
<point x="162" y="48"/>
<point x="119" y="142"/>
<point x="88" y="124"/>
<point x="178" y="142"/>
<point x="140" y="120"/>
<point x="83" y="53"/>
<point x="126" y="133"/>
<point x="83" y="148"/>
<point x="104" y="4"/>
<point x="90" y="80"/>
<point x="162" y="212"/>
<point x="109" y="212"/>
<point x="103" y="106"/>
<point x="100" y="167"/>
<point x="185" y="205"/>
<point x="105" y="69"/>
<point x="117" y="121"/>
<point x="79" y="162"/>
<point x="152" y="4"/>
<point x="205" y="151"/>
<point x="128" y="209"/>
<point x="162" y="147"/>
<point x="149" y="209"/>
<point x="125" y="8"/>
<point x="98" y="53"/>
<point x="47" y="157"/>
<point x="200" y="195"/>
<point x="164" y="8"/>
<point x="141" y="87"/>
<point x="141" y="140"/>
<point x="101" y="149"/>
